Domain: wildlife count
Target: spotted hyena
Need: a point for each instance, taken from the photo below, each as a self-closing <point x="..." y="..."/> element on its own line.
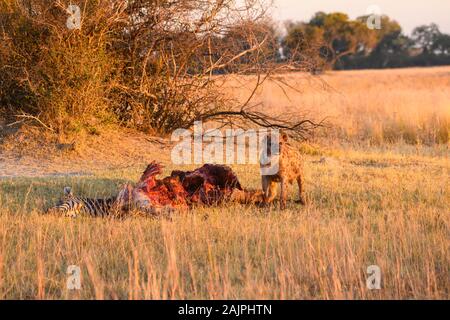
<point x="288" y="164"/>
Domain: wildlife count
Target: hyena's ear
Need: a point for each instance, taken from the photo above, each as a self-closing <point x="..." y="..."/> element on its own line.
<point x="68" y="192"/>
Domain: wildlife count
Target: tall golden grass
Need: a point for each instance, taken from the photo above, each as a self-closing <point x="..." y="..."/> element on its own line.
<point x="380" y="204"/>
<point x="378" y="106"/>
<point x="364" y="210"/>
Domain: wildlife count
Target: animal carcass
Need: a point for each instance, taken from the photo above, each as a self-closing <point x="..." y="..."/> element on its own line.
<point x="208" y="185"/>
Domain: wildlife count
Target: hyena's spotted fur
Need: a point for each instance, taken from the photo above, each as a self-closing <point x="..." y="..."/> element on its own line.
<point x="290" y="170"/>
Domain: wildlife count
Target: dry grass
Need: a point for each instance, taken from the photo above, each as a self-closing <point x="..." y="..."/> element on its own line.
<point x="368" y="204"/>
<point x="364" y="209"/>
<point x="378" y="106"/>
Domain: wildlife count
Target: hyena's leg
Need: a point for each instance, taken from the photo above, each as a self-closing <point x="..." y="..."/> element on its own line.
<point x="270" y="189"/>
<point x="301" y="190"/>
<point x="283" y="195"/>
<point x="265" y="184"/>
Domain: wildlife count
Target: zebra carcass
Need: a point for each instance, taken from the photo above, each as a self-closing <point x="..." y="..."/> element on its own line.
<point x="208" y="185"/>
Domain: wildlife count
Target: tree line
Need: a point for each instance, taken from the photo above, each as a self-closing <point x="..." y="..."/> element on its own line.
<point x="334" y="41"/>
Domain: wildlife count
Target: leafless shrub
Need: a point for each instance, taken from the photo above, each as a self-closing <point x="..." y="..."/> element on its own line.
<point x="154" y="65"/>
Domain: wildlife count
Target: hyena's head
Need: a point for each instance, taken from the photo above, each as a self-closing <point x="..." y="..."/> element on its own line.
<point x="273" y="142"/>
<point x="271" y="147"/>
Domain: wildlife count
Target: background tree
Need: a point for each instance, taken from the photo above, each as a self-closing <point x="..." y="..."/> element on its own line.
<point x="332" y="40"/>
<point x="441" y="45"/>
<point x="334" y="35"/>
<point x="425" y="37"/>
<point x="391" y="46"/>
<point x="242" y="37"/>
<point x="303" y="43"/>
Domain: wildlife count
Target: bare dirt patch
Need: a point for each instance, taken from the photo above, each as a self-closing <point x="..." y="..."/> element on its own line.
<point x="24" y="154"/>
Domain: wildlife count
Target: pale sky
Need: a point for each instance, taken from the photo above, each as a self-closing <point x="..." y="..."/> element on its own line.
<point x="409" y="13"/>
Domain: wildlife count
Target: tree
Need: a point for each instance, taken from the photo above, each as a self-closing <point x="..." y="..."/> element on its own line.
<point x="391" y="47"/>
<point x="388" y="27"/>
<point x="303" y="43"/>
<point x="241" y="37"/>
<point x="425" y="37"/>
<point x="334" y="34"/>
<point x="441" y="45"/>
<point x="434" y="45"/>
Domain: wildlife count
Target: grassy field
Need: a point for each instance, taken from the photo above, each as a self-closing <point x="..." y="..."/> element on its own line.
<point x="372" y="106"/>
<point x="371" y="202"/>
